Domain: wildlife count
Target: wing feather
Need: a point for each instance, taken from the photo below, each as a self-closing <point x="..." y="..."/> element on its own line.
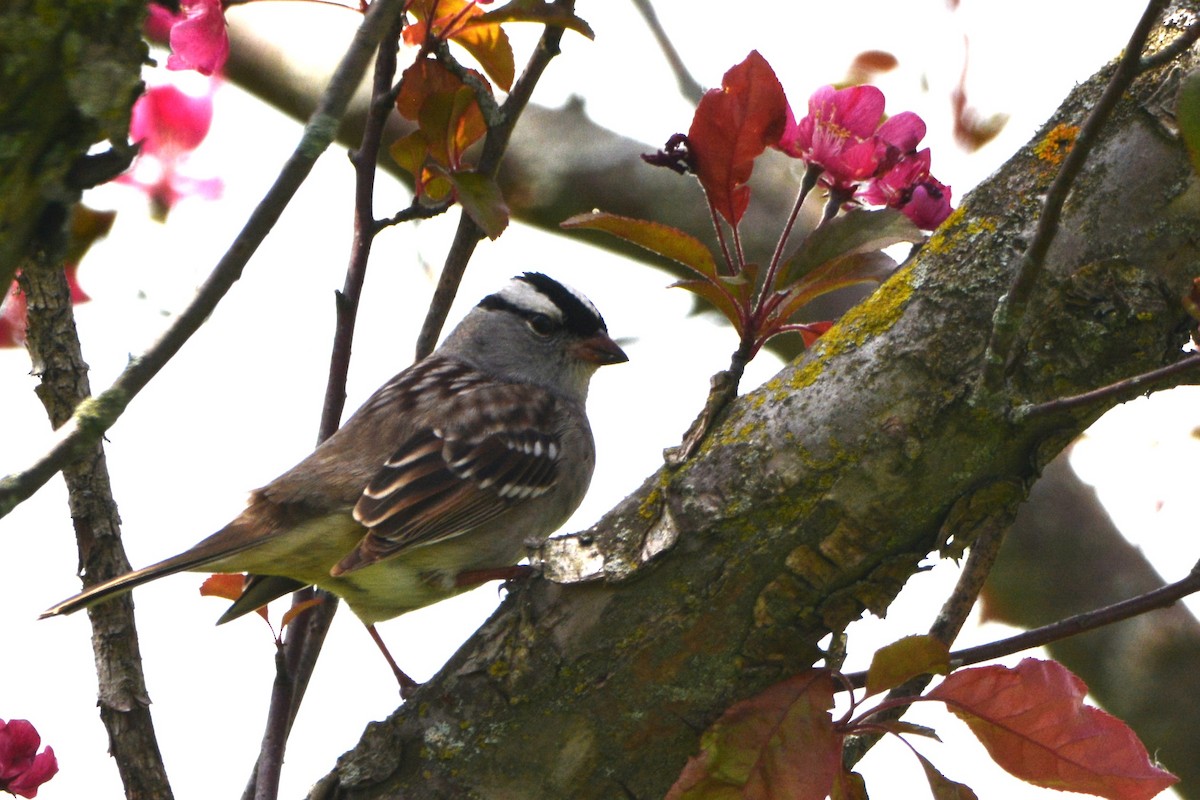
<point x="445" y="480"/>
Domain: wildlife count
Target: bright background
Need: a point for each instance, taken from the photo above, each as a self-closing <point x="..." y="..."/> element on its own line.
<point x="240" y="403"/>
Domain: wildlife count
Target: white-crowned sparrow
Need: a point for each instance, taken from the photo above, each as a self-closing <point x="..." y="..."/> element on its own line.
<point x="447" y="471"/>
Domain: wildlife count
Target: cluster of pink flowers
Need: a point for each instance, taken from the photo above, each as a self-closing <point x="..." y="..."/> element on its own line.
<point x="863" y="157"/>
<point x="22" y="768"/>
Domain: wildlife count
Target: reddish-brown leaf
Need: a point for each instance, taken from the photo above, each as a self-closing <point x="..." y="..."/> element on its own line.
<point x="228" y="586"/>
<point x="444" y="108"/>
<point x="780" y="744"/>
<point x="1033" y="722"/>
<point x="907" y="658"/>
<point x="461" y="21"/>
<point x="731" y="127"/>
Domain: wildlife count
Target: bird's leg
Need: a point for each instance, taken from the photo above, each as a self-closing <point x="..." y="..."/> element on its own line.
<point x="407" y="684"/>
<point x="477" y="577"/>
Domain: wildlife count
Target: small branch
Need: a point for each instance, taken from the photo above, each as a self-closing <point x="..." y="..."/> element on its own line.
<point x="1174" y="50"/>
<point x="468" y="234"/>
<point x="945" y="628"/>
<point x="1010" y="312"/>
<point x="1118" y="389"/>
<point x="95" y="416"/>
<point x="689" y="87"/>
<point x="415" y="211"/>
<point x="1071" y="626"/>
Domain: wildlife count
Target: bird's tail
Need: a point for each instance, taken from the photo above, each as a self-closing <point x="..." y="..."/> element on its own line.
<point x="121" y="584"/>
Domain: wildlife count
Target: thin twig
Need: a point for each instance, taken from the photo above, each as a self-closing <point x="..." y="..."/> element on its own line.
<point x="945" y="628"/>
<point x="495" y="144"/>
<point x="689" y="87"/>
<point x="1118" y="389"/>
<point x="1163" y="597"/>
<point x="1180" y="45"/>
<point x="303" y="643"/>
<point x="1013" y="305"/>
<point x="95" y="416"/>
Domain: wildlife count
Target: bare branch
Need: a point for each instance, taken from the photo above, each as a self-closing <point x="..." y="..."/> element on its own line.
<point x="95" y="416"/>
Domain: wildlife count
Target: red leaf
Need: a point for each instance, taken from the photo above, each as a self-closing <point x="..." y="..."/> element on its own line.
<point x="1033" y="722"/>
<point x="732" y="125"/>
<point x="780" y="744"/>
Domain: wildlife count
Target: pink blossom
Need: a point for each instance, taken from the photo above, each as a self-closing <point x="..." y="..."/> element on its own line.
<point x="22" y="768"/>
<point x="928" y="204"/>
<point x="13" y="321"/>
<point x="839" y="135"/>
<point x="169" y="124"/>
<point x="12" y="326"/>
<point x="198" y="37"/>
<point x="159" y="21"/>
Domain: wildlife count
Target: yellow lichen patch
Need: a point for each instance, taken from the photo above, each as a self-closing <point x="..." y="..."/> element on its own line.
<point x="940" y="240"/>
<point x="1056" y="144"/>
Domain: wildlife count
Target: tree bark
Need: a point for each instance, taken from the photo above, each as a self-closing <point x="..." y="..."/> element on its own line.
<point x="818" y="495"/>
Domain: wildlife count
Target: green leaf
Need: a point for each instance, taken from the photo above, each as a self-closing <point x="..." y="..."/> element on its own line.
<point x="857" y="231"/>
<point x="1187" y="116"/>
<point x="653" y="236"/>
<point x="911" y="656"/>
<point x="942" y="787"/>
<point x="848" y="270"/>
<point x="482" y="199"/>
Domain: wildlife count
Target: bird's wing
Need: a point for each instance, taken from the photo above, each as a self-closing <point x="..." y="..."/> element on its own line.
<point x="444" y="481"/>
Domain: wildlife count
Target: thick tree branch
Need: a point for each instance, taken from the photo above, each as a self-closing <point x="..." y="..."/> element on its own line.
<point x="817" y="496"/>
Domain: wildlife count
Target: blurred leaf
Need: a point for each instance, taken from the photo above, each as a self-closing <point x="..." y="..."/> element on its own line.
<point x="1187" y="116"/>
<point x="856" y="231"/>
<point x="538" y="11"/>
<point x="869" y="64"/>
<point x="653" y="236"/>
<point x="482" y="199"/>
<point x="907" y="658"/>
<point x="731" y="127"/>
<point x="942" y="787"/>
<point x="1034" y="724"/>
<point x="779" y="744"/>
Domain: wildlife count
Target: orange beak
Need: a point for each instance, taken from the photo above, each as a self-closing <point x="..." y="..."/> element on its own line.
<point x="599" y="350"/>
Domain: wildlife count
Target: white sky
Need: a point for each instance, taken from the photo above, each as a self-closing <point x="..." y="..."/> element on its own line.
<point x="241" y="402"/>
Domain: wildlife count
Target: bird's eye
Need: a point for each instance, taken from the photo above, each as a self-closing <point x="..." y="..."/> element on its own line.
<point x="541" y="324"/>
